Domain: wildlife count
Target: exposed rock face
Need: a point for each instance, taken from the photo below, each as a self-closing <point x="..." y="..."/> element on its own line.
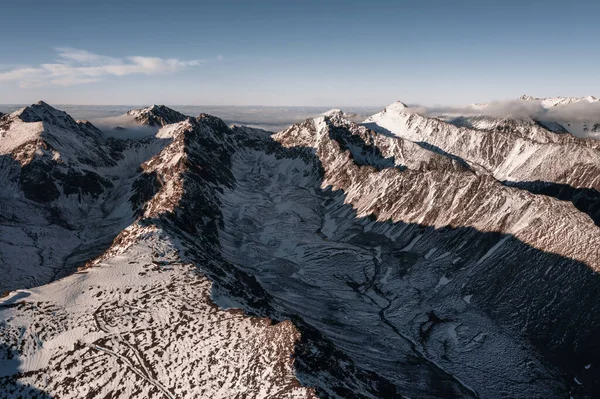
<point x="366" y="146"/>
<point x="414" y="259"/>
<point x="446" y="200"/>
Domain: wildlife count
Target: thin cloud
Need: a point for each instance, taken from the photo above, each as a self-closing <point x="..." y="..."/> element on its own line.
<point x="75" y="66"/>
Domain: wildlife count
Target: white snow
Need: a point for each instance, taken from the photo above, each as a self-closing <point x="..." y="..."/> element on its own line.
<point x="18" y="134"/>
<point x="128" y="325"/>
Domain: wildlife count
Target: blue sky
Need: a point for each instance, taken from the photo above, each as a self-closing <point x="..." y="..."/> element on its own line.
<point x="315" y="53"/>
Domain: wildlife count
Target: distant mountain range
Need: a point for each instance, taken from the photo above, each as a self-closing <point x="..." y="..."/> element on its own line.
<point x="408" y="255"/>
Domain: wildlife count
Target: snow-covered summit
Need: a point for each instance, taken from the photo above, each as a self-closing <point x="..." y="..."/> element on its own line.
<point x="45" y="113"/>
<point x="334" y="128"/>
<point x="41" y="129"/>
<point x="40" y="111"/>
<point x="156" y="115"/>
<point x="397" y="106"/>
<point x="334" y="112"/>
<point x="393" y="115"/>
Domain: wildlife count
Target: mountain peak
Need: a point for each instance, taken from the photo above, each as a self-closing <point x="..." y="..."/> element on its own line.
<point x="554" y="101"/>
<point x="525" y="97"/>
<point x="397" y="106"/>
<point x="191" y="128"/>
<point x="41" y="112"/>
<point x="156" y="115"/>
<point x="50" y="116"/>
<point x="393" y="112"/>
<point x="333" y="112"/>
<point x="51" y="133"/>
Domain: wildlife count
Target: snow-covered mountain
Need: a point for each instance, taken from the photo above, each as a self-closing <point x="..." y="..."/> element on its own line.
<point x="524" y="126"/>
<point x="579" y="116"/>
<point x="554" y="101"/>
<point x="507" y="154"/>
<point x="521" y="154"/>
<point x="156" y="115"/>
<point x="407" y="256"/>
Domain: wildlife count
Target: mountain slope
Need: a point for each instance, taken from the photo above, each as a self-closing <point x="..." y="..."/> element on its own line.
<point x="564" y="166"/>
<point x="543" y="132"/>
<point x="40" y="129"/>
<point x="65" y="194"/>
<point x="125" y="328"/>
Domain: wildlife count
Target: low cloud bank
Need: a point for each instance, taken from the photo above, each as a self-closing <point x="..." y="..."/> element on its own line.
<point x="578" y="111"/>
<point x="572" y="116"/>
<point x="272" y="119"/>
<point x="123" y="127"/>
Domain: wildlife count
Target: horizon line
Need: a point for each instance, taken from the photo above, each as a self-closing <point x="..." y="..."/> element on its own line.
<point x="192" y="105"/>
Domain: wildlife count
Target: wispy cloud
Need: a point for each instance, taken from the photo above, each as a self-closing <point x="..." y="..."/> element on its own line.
<point x="580" y="112"/>
<point x="74" y="66"/>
